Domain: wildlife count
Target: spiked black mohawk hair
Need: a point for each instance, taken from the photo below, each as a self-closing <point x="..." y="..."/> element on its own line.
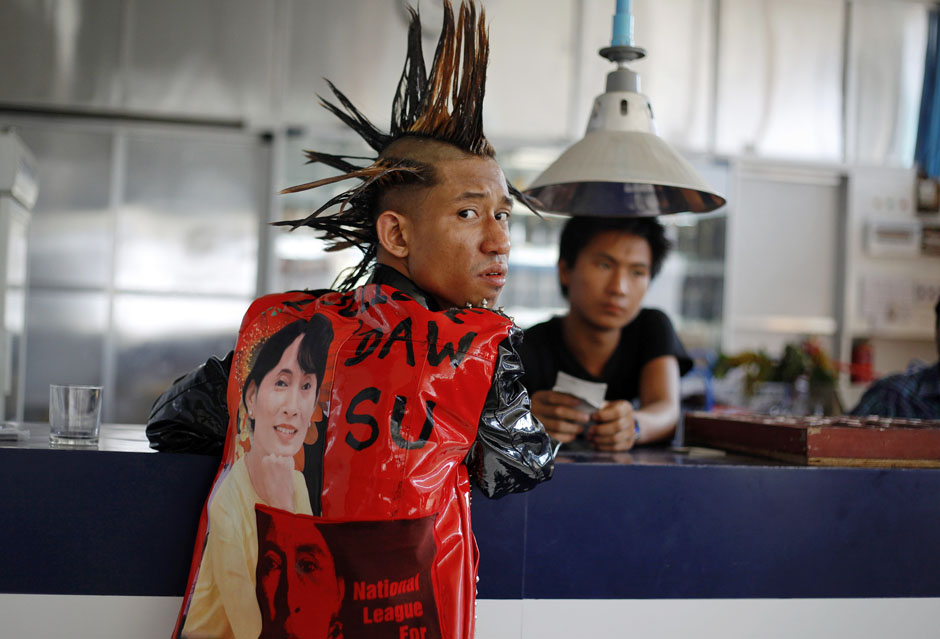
<point x="445" y="105"/>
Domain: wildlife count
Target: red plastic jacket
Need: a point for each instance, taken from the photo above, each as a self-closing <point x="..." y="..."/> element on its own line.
<point x="412" y="403"/>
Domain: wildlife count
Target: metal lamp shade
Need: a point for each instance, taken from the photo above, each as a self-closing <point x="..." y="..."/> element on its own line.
<point x="621" y="168"/>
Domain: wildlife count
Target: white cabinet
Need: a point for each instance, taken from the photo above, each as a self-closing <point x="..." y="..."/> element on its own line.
<point x="782" y="269"/>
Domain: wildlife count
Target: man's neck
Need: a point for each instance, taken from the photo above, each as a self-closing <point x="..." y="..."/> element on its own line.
<point x="591" y="345"/>
<point x="390" y="275"/>
<point x="384" y="258"/>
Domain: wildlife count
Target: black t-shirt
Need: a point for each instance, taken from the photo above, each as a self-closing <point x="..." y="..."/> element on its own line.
<point x="648" y="336"/>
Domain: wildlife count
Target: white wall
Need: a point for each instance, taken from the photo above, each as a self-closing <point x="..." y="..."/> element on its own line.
<point x="88" y="617"/>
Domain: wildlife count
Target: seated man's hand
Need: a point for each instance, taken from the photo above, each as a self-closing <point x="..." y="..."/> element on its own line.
<point x="559" y="414"/>
<point x="614" y="427"/>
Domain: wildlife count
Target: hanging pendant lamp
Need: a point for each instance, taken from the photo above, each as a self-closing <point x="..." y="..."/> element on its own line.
<point x="621" y="168"/>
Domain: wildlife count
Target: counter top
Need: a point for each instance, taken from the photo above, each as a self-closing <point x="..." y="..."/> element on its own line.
<point x="132" y="438"/>
<point x="125" y="438"/>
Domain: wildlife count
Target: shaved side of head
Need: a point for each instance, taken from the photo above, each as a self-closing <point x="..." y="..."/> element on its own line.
<point x="426" y="153"/>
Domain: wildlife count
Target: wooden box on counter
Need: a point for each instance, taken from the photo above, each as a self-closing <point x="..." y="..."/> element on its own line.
<point x="839" y="441"/>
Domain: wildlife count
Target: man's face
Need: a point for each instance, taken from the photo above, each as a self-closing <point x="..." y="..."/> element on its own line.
<point x="608" y="280"/>
<point x="282" y="405"/>
<point x="298" y="591"/>
<point x="458" y="236"/>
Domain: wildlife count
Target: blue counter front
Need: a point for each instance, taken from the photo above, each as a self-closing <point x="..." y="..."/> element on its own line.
<point x="653" y="524"/>
<point x="648" y="525"/>
<point x="675" y="529"/>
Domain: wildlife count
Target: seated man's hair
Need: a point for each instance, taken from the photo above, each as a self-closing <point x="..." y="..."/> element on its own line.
<point x="443" y="105"/>
<point x="579" y="231"/>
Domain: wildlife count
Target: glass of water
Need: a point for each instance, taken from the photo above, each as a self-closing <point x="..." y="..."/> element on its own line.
<point x="74" y="415"/>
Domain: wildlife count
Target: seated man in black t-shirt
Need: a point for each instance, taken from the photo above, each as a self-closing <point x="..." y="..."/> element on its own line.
<point x="605" y="266"/>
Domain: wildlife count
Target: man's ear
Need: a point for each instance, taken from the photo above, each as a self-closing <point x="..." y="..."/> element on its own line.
<point x="393" y="230"/>
<point x="563" y="272"/>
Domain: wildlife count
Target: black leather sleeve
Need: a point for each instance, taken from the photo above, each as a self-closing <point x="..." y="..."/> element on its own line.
<point x="192" y="415"/>
<point x="512" y="452"/>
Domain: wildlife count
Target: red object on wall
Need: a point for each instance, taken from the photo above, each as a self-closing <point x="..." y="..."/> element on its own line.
<point x="861" y="370"/>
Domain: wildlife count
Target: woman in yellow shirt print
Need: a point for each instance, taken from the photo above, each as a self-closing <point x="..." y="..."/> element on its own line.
<point x="279" y="397"/>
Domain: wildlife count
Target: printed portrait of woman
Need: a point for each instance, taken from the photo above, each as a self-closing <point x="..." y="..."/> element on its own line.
<point x="279" y="399"/>
<point x="298" y="589"/>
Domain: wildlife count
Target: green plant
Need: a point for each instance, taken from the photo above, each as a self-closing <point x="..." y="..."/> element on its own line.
<point x="804" y="359"/>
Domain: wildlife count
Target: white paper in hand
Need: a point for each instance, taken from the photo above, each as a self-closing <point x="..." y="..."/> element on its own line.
<point x="591" y="393"/>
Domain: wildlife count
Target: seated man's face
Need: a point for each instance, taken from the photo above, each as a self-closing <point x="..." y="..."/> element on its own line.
<point x="609" y="279"/>
<point x="298" y="591"/>
<point x="459" y="244"/>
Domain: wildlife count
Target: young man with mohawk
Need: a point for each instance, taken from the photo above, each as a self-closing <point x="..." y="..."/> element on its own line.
<point x="421" y="390"/>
